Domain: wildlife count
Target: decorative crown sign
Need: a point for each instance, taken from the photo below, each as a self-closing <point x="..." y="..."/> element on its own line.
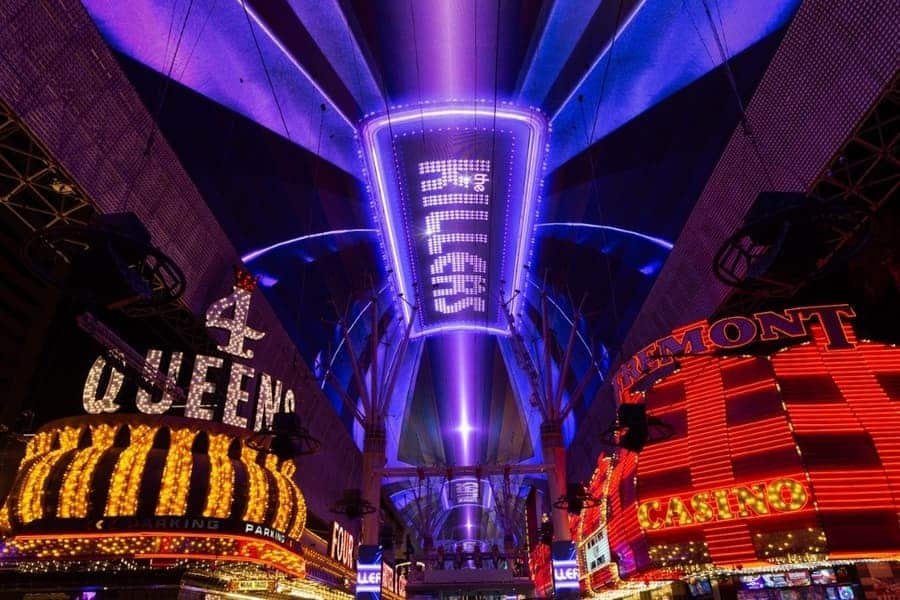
<point x="229" y="314"/>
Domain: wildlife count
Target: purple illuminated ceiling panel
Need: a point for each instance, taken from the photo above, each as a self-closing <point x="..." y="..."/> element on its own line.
<point x="456" y="189"/>
<point x="218" y="50"/>
<point x="661" y="48"/>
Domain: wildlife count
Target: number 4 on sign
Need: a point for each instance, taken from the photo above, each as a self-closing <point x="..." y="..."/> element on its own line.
<point x="236" y="326"/>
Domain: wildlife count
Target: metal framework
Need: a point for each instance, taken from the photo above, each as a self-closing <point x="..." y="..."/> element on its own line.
<point x="427" y="517"/>
<point x="375" y="388"/>
<point x="374" y="385"/>
<point x="865" y="171"/>
<point x="476" y="471"/>
<point x="41" y="194"/>
<point x="507" y="505"/>
<point x="548" y="395"/>
<point x="32" y="185"/>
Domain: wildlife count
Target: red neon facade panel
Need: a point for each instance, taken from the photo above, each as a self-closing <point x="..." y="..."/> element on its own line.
<point x="794" y="453"/>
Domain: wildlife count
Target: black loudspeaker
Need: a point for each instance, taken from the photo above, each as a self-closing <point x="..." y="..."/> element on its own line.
<point x="575" y="494"/>
<point x="546" y="533"/>
<point x="386" y="537"/>
<point x="634" y="418"/>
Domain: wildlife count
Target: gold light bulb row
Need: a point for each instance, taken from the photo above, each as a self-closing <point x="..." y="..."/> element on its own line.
<point x="259" y="487"/>
<point x="5" y="524"/>
<point x="126" y="478"/>
<point x="176" y="479"/>
<point x="126" y="546"/>
<point x="288" y="468"/>
<point x="283" y="510"/>
<point x="221" y="477"/>
<point x="79" y="483"/>
<point x="39" y="445"/>
<point x="31" y="498"/>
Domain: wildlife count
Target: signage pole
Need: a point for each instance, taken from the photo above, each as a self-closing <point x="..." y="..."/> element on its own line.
<point x="373" y="461"/>
<point x="555" y="452"/>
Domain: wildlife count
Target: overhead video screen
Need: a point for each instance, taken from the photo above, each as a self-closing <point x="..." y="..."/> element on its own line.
<point x="456" y="189"/>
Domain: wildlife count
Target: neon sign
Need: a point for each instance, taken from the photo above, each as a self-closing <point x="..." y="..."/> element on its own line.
<point x="456" y="188"/>
<point x="368" y="573"/>
<point x="736" y="332"/>
<point x="738" y="502"/>
<point x="343" y="545"/>
<point x="565" y="566"/>
<point x="104" y="381"/>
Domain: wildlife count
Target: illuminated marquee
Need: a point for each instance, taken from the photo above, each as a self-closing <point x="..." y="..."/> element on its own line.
<point x="343" y="546"/>
<point x="104" y="382"/>
<point x="368" y="573"/>
<point x="565" y="566"/>
<point x="456" y="188"/>
<point x="739" y="502"/>
<point x="736" y="332"/>
<point x="150" y="546"/>
<point x="775" y="446"/>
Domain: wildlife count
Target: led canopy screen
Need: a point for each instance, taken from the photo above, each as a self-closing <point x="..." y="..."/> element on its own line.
<point x="456" y="189"/>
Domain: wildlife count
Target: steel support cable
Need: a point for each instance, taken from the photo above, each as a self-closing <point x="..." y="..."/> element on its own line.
<point x="589" y="140"/>
<point x="154" y="123"/>
<point x="265" y="69"/>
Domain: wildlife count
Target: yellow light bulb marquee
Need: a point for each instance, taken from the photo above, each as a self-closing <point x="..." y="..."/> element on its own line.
<point x="126" y="479"/>
<point x="123" y="486"/>
<point x="218" y="502"/>
<point x="77" y="481"/>
<point x="176" y="478"/>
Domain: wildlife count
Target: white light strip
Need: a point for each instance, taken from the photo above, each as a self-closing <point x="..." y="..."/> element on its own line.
<point x="290" y="57"/>
<point x="658" y="241"/>
<point x="599" y="58"/>
<point x="257" y="253"/>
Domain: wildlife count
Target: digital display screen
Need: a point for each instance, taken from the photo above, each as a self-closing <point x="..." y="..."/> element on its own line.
<point x="751" y="582"/>
<point x="465" y="491"/>
<point x="798" y="578"/>
<point x="789" y="595"/>
<point x="700" y="587"/>
<point x="823" y="576"/>
<point x="845" y="592"/>
<point x="775" y="580"/>
<point x="456" y="188"/>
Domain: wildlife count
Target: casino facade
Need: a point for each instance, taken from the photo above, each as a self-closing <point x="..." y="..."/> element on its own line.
<point x="776" y="473"/>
